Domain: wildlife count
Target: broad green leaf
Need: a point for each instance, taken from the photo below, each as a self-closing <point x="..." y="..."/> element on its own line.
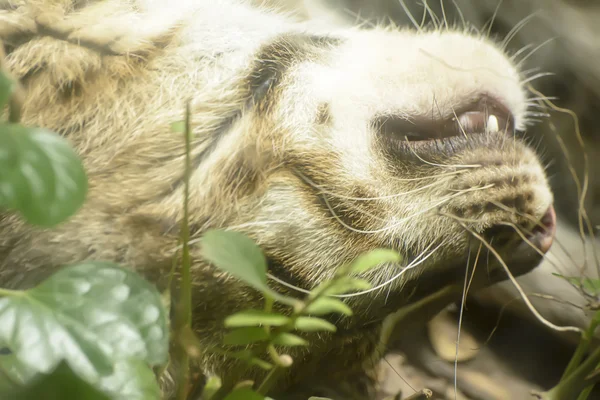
<point x="178" y="127"/>
<point x="6" y="89"/>
<point x="40" y="175"/>
<point x="131" y="380"/>
<point x="13" y="373"/>
<point x="311" y="324"/>
<point x="255" y="318"/>
<point x="373" y="259"/>
<point x="347" y="284"/>
<point x="59" y="384"/>
<point x="289" y="339"/>
<point x="325" y="305"/>
<point x="237" y="254"/>
<point x="244" y="394"/>
<point x="244" y="336"/>
<point x="91" y="315"/>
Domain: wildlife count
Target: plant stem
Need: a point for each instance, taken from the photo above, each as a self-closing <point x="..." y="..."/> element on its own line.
<point x="17" y="97"/>
<point x="573" y="384"/>
<point x="184" y="306"/>
<point x="8" y="292"/>
<point x="582" y="348"/>
<point x="268" y="382"/>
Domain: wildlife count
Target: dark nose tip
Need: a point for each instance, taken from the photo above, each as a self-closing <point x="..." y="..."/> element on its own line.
<point x="543" y="234"/>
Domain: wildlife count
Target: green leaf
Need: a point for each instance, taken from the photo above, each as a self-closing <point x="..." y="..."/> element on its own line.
<point x="7" y="86"/>
<point x="59" y="384"/>
<point x="591" y="286"/>
<point x="213" y="384"/>
<point x="91" y="315"/>
<point x="289" y="339"/>
<point x="13" y="372"/>
<point x="325" y="305"/>
<point x="244" y="394"/>
<point x="255" y="318"/>
<point x="238" y="255"/>
<point x="310" y="324"/>
<point x="588" y="285"/>
<point x="244" y="336"/>
<point x="40" y="175"/>
<point x="178" y="127"/>
<point x="131" y="380"/>
<point x="374" y="258"/>
<point x="260" y="363"/>
<point x="347" y="284"/>
<point x="248" y="356"/>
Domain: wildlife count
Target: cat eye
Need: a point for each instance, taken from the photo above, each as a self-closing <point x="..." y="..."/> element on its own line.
<point x="485" y="117"/>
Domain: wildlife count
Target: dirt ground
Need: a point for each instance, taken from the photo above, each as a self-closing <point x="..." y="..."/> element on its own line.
<point x="505" y="363"/>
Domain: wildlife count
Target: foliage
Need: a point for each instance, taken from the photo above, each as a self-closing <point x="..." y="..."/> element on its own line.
<point x="582" y="372"/>
<point x="90" y="331"/>
<point x="270" y="331"/>
<point x="94" y="330"/>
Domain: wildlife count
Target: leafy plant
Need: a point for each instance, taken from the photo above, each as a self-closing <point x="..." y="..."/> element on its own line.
<point x="90" y="331"/>
<point x="581" y="373"/>
<point x="269" y="330"/>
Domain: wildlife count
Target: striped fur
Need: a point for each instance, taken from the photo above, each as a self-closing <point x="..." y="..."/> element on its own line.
<point x="284" y="147"/>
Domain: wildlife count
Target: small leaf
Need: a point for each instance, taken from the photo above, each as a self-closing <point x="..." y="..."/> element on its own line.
<point x="255" y="318"/>
<point x="347" y="284"/>
<point x="91" y="315"/>
<point x="373" y="259"/>
<point x="588" y="285"/>
<point x="236" y="254"/>
<point x="289" y="339"/>
<point x="7" y="86"/>
<point x="260" y="363"/>
<point x="248" y="356"/>
<point x="40" y="175"/>
<point x="178" y="127"/>
<point x="591" y="286"/>
<point x="244" y="394"/>
<point x="572" y="280"/>
<point x="325" y="305"/>
<point x="310" y="324"/>
<point x="213" y="384"/>
<point x="244" y="336"/>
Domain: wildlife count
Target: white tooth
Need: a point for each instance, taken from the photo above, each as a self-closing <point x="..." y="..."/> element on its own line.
<point x="492" y="124"/>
